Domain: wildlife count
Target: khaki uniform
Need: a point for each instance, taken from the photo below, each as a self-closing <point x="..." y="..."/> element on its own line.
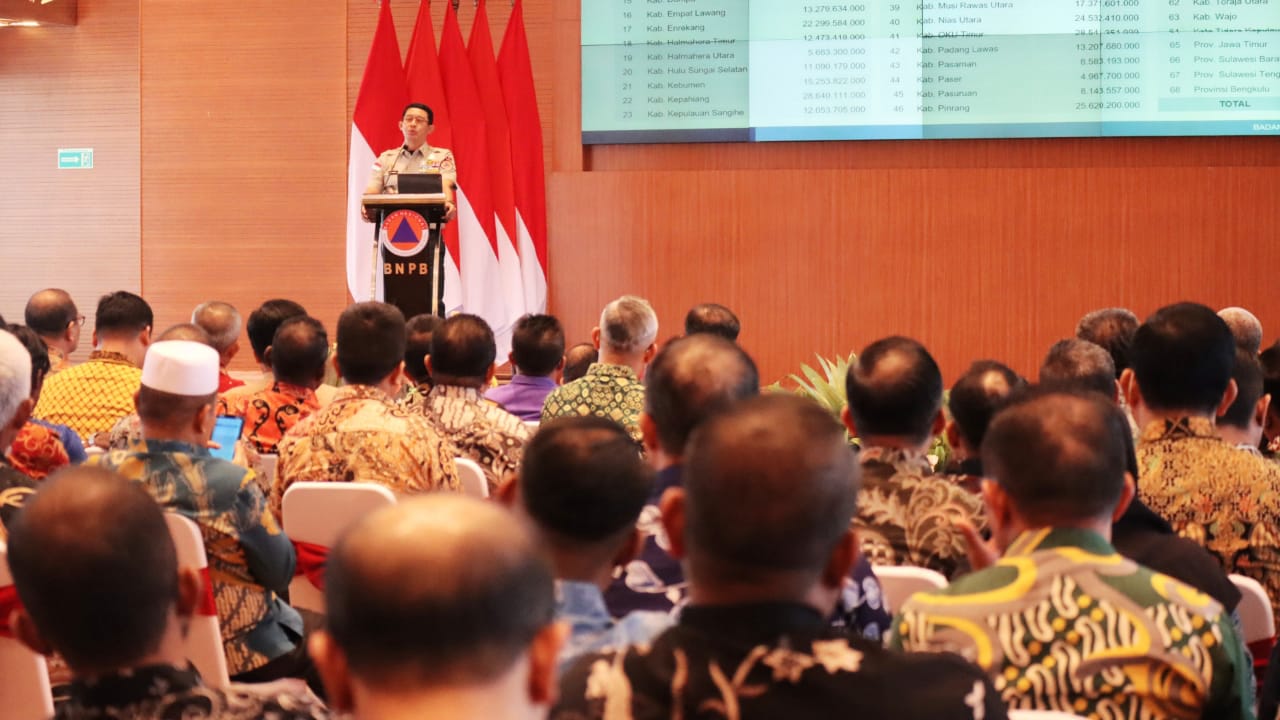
<point x="401" y="159"/>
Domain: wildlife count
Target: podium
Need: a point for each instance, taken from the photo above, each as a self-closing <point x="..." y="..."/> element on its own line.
<point x="408" y="251"/>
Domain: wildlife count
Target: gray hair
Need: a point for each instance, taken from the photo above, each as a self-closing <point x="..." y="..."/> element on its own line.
<point x="1246" y="328"/>
<point x="628" y="325"/>
<point x="15" y="375"/>
<point x="221" y="320"/>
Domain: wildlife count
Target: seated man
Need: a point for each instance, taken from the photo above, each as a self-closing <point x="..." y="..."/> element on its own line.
<point x="115" y="604"/>
<point x="983" y="389"/>
<point x="714" y="319"/>
<point x="537" y="355"/>
<point x="461" y="365"/>
<point x="363" y="435"/>
<point x="222" y="322"/>
<point x="261" y="329"/>
<point x="15" y="408"/>
<point x="1062" y="622"/>
<point x="128" y="430"/>
<point x="417" y="347"/>
<point x="439" y="607"/>
<point x="906" y="512"/>
<point x="42" y="447"/>
<point x="611" y="388"/>
<point x="90" y="397"/>
<point x="1245" y="328"/>
<point x="1242" y="424"/>
<point x="250" y="561"/>
<point x="1210" y="491"/>
<point x="297" y="355"/>
<point x="577" y="361"/>
<point x="53" y="315"/>
<point x="763" y="525"/>
<point x="583" y="485"/>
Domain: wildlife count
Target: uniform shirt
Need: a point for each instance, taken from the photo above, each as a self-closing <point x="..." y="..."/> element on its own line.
<point x="251" y="562"/>
<point x="523" y="396"/>
<point x="164" y="692"/>
<point x="479" y="429"/>
<point x="38" y="451"/>
<point x="15" y="489"/>
<point x="404" y="160"/>
<point x="1063" y="622"/>
<point x="608" y="391"/>
<point x="770" y="661"/>
<point x="90" y="397"/>
<point x="268" y="414"/>
<point x="362" y="436"/>
<point x="1212" y="493"/>
<point x="906" y="512"/>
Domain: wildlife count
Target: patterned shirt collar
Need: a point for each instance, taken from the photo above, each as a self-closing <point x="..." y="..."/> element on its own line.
<point x="1178" y="429"/>
<point x="155" y="446"/>
<point x="611" y="371"/>
<point x="903" y="460"/>
<point x="351" y="393"/>
<point x="132" y="686"/>
<point x="457" y="392"/>
<point x="296" y="391"/>
<point x="1032" y="541"/>
<point x="110" y="357"/>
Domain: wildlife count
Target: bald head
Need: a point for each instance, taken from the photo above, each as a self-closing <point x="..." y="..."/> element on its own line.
<point x="1246" y="328"/>
<point x="95" y="568"/>
<point x="692" y="378"/>
<point x="222" y="322"/>
<point x="187" y="331"/>
<point x="1112" y="329"/>
<point x="712" y="318"/>
<point x="1076" y="364"/>
<point x="298" y="352"/>
<point x="771" y="487"/>
<point x="978" y="394"/>
<point x="894" y="389"/>
<point x="51" y="312"/>
<point x="435" y="591"/>
<point x="577" y="360"/>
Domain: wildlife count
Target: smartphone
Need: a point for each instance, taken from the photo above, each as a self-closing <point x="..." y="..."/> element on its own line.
<point x="226" y="431"/>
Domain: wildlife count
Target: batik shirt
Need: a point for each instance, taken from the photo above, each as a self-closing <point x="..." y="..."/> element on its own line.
<point x="251" y="562"/>
<point x="1210" y="492"/>
<point x="90" y="397"/>
<point x="362" y="436"/>
<point x="907" y="514"/>
<point x="478" y="428"/>
<point x="1063" y="622"/>
<point x="608" y="391"/>
<point x="38" y="451"/>
<point x="15" y="489"/>
<point x="268" y="414"/>
<point x="164" y="692"/>
<point x="770" y="661"/>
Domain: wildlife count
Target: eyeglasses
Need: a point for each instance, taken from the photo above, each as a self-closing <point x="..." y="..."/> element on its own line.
<point x="79" y="321"/>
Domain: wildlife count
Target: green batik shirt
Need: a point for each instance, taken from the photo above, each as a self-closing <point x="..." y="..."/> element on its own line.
<point x="1063" y="622"/>
<point x="251" y="561"/>
<point x="607" y="391"/>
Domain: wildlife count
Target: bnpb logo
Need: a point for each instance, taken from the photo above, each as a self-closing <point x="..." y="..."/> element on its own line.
<point x="404" y="233"/>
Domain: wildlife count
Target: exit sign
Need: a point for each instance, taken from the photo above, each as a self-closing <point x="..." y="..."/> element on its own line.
<point x="75" y="158"/>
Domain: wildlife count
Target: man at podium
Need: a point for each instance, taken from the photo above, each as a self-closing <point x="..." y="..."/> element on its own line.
<point x="415" y="156"/>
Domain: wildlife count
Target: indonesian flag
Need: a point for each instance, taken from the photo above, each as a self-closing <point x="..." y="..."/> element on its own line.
<point x="374" y="128"/>
<point x="485" y="68"/>
<point x="528" y="175"/>
<point x="482" y="292"/>
<point x="422" y="66"/>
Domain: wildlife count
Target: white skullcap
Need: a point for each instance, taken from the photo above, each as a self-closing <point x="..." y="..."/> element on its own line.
<point x="181" y="367"/>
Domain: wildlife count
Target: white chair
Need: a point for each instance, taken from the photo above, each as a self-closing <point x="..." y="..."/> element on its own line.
<point x="1042" y="715"/>
<point x="317" y="513"/>
<point x="900" y="582"/>
<point x="1254" y="609"/>
<point x="24" y="677"/>
<point x="472" y="478"/>
<point x="204" y="636"/>
<point x="532" y="426"/>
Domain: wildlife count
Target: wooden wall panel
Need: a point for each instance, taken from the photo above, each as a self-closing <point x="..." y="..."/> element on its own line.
<point x="244" y="139"/>
<point x="70" y="87"/>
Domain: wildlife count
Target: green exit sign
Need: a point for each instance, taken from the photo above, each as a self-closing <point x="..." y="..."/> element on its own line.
<point x="75" y="158"/>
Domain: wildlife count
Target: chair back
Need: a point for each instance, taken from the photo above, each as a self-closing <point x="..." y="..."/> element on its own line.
<point x="264" y="469"/>
<point x="900" y="582"/>
<point x="24" y="677"/>
<point x="1042" y="715"/>
<point x="1254" y="609"/>
<point x="317" y="513"/>
<point x="472" y="478"/>
<point x="204" y="636"/>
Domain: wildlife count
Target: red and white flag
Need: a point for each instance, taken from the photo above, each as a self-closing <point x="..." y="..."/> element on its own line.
<point x="528" y="174"/>
<point x="485" y="69"/>
<point x="482" y="292"/>
<point x="422" y="68"/>
<point x="374" y="128"/>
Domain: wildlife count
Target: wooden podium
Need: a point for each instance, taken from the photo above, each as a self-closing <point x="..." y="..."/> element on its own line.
<point x="408" y="251"/>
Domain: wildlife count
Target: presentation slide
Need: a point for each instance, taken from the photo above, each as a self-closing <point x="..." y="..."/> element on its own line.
<point x="769" y="70"/>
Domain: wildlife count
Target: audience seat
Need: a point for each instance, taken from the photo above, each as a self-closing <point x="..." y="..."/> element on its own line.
<point x="1257" y="621"/>
<point x="204" y="638"/>
<point x="317" y="513"/>
<point x="24" y="677"/>
<point x="902" y="581"/>
<point x="472" y="478"/>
